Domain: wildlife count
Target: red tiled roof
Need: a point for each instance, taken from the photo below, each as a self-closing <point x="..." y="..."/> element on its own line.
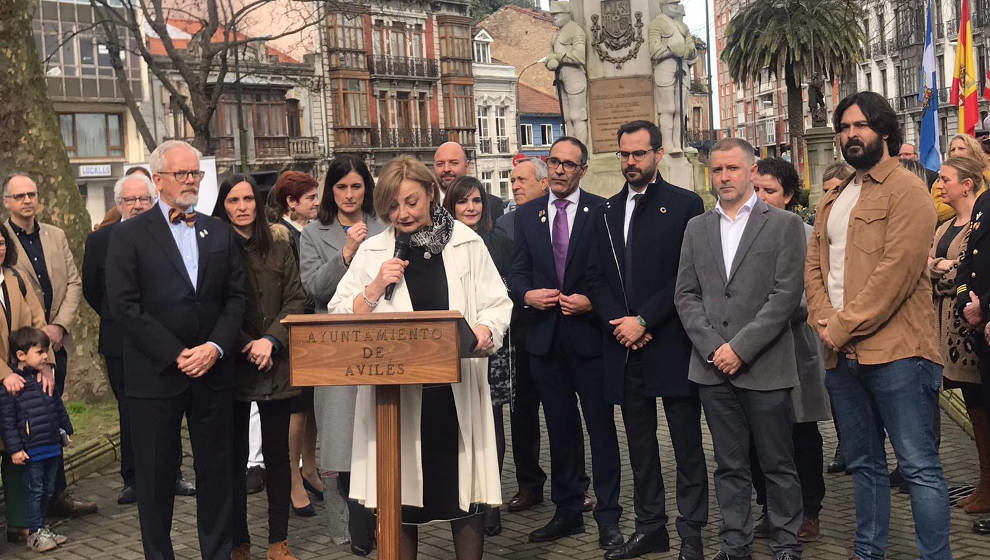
<point x="534" y="102"/>
<point x="535" y="14"/>
<point x="157" y="47"/>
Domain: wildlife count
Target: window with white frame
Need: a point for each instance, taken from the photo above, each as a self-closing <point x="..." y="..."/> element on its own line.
<point x="486" y="180"/>
<point x="500" y="121"/>
<point x="525" y="135"/>
<point x="503" y="183"/>
<point x="482" y="53"/>
<point x="483" y="122"/>
<point x="546" y="134"/>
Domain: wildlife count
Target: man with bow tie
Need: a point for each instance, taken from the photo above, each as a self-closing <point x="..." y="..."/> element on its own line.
<point x="174" y="277"/>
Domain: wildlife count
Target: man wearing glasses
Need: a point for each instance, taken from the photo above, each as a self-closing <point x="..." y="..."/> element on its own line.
<point x="551" y="252"/>
<point x="174" y="277"/>
<point x="45" y="261"/>
<point x="638" y="234"/>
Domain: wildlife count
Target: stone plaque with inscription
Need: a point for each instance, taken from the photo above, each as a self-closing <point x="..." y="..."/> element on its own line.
<point x="614" y="102"/>
<point x="374" y="348"/>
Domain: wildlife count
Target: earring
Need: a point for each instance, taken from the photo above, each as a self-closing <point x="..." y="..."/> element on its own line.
<point x="292" y="213"/>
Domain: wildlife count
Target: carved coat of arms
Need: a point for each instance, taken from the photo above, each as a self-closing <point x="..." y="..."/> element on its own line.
<point x="616" y="31"/>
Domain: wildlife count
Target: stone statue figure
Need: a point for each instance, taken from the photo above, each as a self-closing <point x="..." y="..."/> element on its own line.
<point x="673" y="52"/>
<point x="567" y="61"/>
<point x="816" y="100"/>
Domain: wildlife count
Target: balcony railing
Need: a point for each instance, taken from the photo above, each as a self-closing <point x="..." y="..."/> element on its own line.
<point x="402" y="66"/>
<point x="304" y="147"/>
<point x="220" y="146"/>
<point x="503" y="144"/>
<point x="350" y="138"/>
<point x="407" y="137"/>
<point x="878" y="48"/>
<point x="485" y="145"/>
<point x="266" y="147"/>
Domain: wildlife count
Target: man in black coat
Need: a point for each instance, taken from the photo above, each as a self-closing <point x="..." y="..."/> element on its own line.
<point x="551" y="250"/>
<point x="175" y="279"/>
<point x="645" y="350"/>
<point x="134" y="194"/>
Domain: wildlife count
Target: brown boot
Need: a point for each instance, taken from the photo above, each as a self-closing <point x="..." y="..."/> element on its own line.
<point x="241" y="552"/>
<point x="979" y="500"/>
<point x="280" y="551"/>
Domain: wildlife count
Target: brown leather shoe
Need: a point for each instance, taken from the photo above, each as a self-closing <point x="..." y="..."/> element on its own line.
<point x="241" y="552"/>
<point x="525" y="499"/>
<point x="810" y="530"/>
<point x="67" y="506"/>
<point x="589" y="503"/>
<point x="280" y="551"/>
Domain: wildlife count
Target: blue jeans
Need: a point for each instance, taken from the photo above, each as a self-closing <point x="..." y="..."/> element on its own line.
<point x="898" y="400"/>
<point x="39" y="481"/>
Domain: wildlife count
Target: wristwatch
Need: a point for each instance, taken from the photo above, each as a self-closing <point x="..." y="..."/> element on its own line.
<point x="641" y="320"/>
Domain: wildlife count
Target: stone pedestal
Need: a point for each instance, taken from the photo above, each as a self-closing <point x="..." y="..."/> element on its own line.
<point x="820" y="152"/>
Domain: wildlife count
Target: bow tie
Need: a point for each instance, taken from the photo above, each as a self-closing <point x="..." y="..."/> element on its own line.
<point x="175" y="216"/>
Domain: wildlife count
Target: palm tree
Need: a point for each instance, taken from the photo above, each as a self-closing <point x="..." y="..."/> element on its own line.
<point x="798" y="38"/>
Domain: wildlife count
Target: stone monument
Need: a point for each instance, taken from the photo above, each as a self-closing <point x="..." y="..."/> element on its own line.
<point x="623" y="81"/>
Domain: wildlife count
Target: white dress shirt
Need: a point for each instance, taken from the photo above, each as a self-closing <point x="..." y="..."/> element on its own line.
<point x="572" y="210"/>
<point x="185" y="240"/>
<point x="630" y="205"/>
<point x="732" y="230"/>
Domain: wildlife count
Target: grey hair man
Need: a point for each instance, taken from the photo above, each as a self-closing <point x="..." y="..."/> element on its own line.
<point x="133" y="194"/>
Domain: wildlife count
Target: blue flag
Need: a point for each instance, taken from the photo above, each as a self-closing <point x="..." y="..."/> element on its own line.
<point x="928" y="146"/>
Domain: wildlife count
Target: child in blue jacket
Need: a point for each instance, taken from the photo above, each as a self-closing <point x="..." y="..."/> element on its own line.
<point x="31" y="422"/>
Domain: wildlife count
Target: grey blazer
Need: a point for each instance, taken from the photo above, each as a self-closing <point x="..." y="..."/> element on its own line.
<point x="752" y="307"/>
<point x="321" y="257"/>
<point x="506" y="224"/>
<point x="810" y="398"/>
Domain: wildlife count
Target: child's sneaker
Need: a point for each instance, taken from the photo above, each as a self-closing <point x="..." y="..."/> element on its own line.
<point x="41" y="541"/>
<point x="59" y="539"/>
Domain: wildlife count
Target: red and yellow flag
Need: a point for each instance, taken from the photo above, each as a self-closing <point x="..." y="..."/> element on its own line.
<point x="964" y="76"/>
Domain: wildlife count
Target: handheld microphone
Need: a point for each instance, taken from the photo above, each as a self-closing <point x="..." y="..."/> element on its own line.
<point x="402" y="249"/>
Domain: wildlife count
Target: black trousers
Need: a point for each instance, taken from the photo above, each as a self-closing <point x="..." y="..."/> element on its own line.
<point x="525" y="418"/>
<point x="275" y="449"/>
<point x="733" y="415"/>
<point x="115" y="371"/>
<point x="360" y="520"/>
<point x="561" y="377"/>
<point x="810" y="463"/>
<point x="156" y="461"/>
<point x="639" y="414"/>
<point x="61" y="369"/>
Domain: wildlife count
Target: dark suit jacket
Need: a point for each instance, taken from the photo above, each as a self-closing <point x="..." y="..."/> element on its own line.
<point x="94" y="290"/>
<point x="506" y="225"/>
<point x="495" y="206"/>
<point x="973" y="274"/>
<point x="656" y="235"/>
<point x="150" y="294"/>
<point x="533" y="268"/>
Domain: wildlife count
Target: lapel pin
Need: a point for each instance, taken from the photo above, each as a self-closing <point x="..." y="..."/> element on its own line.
<point x="585" y="209"/>
<point x="203" y="233"/>
<point x="663" y="209"/>
<point x="542" y="212"/>
<point x="543" y="219"/>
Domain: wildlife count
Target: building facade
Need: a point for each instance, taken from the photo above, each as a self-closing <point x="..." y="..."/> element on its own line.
<point x="99" y="134"/>
<point x="495" y="105"/>
<point x="399" y="78"/>
<point x="540" y="121"/>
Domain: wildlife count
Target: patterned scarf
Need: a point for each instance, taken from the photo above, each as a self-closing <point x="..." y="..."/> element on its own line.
<point x="435" y="238"/>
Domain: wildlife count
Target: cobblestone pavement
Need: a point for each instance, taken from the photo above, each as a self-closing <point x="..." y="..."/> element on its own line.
<point x="113" y="533"/>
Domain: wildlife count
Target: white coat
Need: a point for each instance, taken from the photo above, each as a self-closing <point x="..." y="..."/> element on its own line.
<point x="475" y="289"/>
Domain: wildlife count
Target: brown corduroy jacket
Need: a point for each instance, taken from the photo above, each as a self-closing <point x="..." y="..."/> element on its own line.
<point x="888" y="313"/>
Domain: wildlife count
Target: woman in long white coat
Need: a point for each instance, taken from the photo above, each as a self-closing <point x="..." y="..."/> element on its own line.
<point x="448" y="453"/>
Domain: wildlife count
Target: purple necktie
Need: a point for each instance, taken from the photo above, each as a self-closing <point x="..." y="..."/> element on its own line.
<point x="561" y="238"/>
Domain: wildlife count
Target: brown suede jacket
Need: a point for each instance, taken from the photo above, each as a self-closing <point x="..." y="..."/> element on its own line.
<point x="888" y="313"/>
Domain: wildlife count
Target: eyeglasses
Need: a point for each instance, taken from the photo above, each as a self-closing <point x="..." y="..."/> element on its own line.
<point x="133" y="199"/>
<point x="569" y="166"/>
<point x="182" y="176"/>
<point x="20" y="197"/>
<point x="638" y="155"/>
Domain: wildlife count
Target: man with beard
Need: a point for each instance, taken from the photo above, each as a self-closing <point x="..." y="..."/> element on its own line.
<point x="638" y="234"/>
<point x="450" y="163"/>
<point x="870" y="299"/>
<point x="738" y="286"/>
<point x="174" y="278"/>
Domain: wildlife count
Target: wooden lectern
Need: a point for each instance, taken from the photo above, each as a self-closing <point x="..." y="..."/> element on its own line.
<point x="387" y="350"/>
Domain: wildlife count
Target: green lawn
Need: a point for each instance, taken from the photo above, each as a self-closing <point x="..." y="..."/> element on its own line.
<point x="91" y="421"/>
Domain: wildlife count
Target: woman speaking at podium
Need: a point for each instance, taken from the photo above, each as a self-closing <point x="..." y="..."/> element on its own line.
<point x="450" y="426"/>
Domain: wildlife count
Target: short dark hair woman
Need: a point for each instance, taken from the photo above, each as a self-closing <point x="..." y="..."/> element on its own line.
<point x="274" y="291"/>
<point x="327" y="246"/>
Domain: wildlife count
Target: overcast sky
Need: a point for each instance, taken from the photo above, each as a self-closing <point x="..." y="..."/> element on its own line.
<point x="695" y="18"/>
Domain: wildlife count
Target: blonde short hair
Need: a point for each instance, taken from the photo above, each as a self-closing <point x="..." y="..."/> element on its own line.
<point x="967" y="168"/>
<point x="402" y="168"/>
<point x="974" y="146"/>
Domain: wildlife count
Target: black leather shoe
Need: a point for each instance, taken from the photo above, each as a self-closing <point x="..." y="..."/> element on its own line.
<point x="184" y="488"/>
<point x="255" y="480"/>
<point x="837" y="465"/>
<point x="305" y="511"/>
<point x="723" y="556"/>
<point x="640" y="544"/>
<point x="589" y="503"/>
<point x="359" y="550"/>
<point x="558" y="527"/>
<point x="609" y="537"/>
<point x="127" y="496"/>
<point x="492" y="521"/>
<point x="525" y="499"/>
<point x="982" y="526"/>
<point x="691" y="549"/>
